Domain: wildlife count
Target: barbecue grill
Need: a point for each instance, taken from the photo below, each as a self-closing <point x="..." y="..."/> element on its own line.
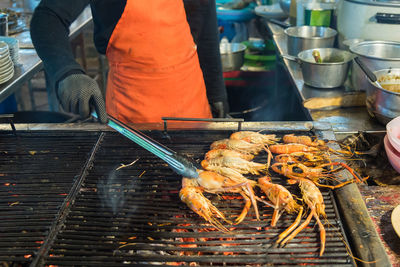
<point x="65" y="202"/>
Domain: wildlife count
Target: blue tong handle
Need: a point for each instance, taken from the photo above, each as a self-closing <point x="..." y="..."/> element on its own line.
<point x="179" y="163"/>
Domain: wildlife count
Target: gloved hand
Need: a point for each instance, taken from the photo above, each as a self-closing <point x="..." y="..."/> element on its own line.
<point x="219" y="109"/>
<point x="78" y="92"/>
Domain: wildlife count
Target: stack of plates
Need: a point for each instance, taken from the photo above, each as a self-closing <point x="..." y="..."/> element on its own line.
<point x="13" y="47"/>
<point x="6" y="64"/>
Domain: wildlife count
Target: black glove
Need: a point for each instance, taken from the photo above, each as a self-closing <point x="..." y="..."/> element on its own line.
<point x="220" y="109"/>
<point x="78" y="92"/>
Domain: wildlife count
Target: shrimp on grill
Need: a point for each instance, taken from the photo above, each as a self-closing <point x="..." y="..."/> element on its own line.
<point x="299" y="171"/>
<point x="215" y="183"/>
<point x="304" y="140"/>
<point x="215" y="153"/>
<point x="241" y="165"/>
<point x="238" y="145"/>
<point x="255" y="137"/>
<point x="306" y="158"/>
<point x="192" y="194"/>
<point x="291" y="148"/>
<point x="317" y="143"/>
<point x="281" y="198"/>
<point x="312" y="197"/>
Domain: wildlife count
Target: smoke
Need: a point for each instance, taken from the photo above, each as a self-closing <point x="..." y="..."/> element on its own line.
<point x="267" y="96"/>
<point x="113" y="192"/>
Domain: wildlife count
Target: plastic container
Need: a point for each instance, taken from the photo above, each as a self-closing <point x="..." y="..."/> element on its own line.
<point x="314" y="13"/>
<point x="319" y="14"/>
<point x="234" y="15"/>
<point x="393" y="132"/>
<point x="233" y="21"/>
<point x="392" y="154"/>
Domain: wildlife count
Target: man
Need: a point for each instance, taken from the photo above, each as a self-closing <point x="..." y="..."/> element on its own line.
<point x="163" y="58"/>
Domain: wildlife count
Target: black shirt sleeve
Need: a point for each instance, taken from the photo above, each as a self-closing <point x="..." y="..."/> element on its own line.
<point x="204" y="27"/>
<point x="50" y="36"/>
<point x="106" y="14"/>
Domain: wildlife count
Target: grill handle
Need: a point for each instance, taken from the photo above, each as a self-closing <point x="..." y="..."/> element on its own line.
<point x="179" y="163"/>
<point x="9" y="119"/>
<point x="239" y="121"/>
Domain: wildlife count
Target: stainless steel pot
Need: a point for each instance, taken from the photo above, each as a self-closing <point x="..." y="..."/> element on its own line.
<point x="306" y="37"/>
<point x="232" y="56"/>
<point x="368" y="19"/>
<point x="383" y="104"/>
<point x="331" y="73"/>
<point x="376" y="55"/>
<point x="345" y="45"/>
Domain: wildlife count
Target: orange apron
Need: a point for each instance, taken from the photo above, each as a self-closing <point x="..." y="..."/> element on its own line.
<point x="154" y="69"/>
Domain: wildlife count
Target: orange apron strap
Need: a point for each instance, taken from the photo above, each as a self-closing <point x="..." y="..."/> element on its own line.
<point x="154" y="68"/>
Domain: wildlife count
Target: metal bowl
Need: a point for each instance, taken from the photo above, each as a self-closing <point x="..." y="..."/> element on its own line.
<point x="306" y="37"/>
<point x="376" y="55"/>
<point x="383" y="104"/>
<point x="331" y="73"/>
<point x="232" y="56"/>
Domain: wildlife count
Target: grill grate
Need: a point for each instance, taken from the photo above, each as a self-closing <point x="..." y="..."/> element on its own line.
<point x="36" y="175"/>
<point x="134" y="216"/>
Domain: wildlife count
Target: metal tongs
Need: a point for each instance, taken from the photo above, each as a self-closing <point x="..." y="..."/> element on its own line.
<point x="179" y="163"/>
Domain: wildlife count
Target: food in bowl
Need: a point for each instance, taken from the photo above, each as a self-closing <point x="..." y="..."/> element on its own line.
<point x="330" y="73"/>
<point x="390" y="82"/>
<point x="383" y="104"/>
<point x="376" y="55"/>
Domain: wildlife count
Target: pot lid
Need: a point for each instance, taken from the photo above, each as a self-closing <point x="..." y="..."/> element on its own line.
<point x="392" y="3"/>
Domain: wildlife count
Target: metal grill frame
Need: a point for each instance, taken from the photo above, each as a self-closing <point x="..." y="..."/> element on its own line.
<point x="362" y="235"/>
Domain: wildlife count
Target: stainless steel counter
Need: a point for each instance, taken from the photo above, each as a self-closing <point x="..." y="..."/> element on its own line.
<point x="30" y="63"/>
<point x="342" y="120"/>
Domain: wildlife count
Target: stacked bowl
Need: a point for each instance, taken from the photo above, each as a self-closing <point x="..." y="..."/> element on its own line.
<point x="392" y="143"/>
<point x="13" y="47"/>
<point x="6" y="63"/>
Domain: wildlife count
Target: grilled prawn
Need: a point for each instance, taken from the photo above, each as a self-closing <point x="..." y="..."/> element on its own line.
<point x="238" y="145"/>
<point x="299" y="171"/>
<point x="280" y="197"/>
<point x="193" y="196"/>
<point x="306" y="158"/>
<point x="215" y="153"/>
<point x="321" y="145"/>
<point x="315" y="202"/>
<point x="255" y="137"/>
<point x="291" y="148"/>
<point x="215" y="183"/>
<point x="241" y="165"/>
<point x="304" y="140"/>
